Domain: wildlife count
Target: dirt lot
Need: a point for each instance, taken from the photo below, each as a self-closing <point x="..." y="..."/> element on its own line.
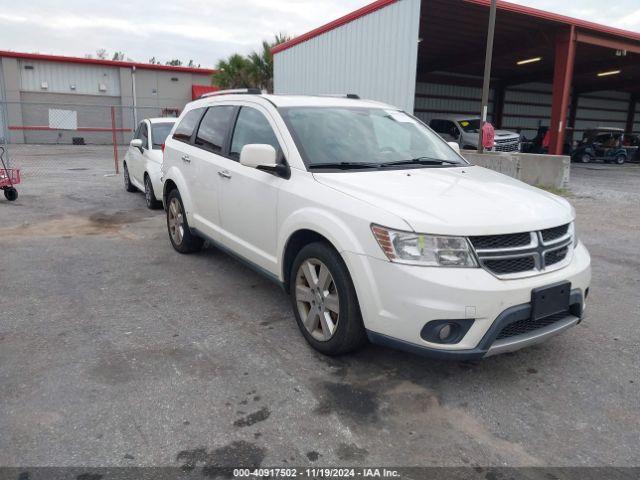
<point x="115" y="350"/>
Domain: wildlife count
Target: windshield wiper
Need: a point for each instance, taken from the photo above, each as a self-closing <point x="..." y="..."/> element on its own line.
<point x="344" y="165"/>
<point x="420" y="161"/>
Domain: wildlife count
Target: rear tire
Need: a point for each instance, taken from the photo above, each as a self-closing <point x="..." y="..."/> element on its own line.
<point x="180" y="235"/>
<point x="11" y="194"/>
<point x="149" y="195"/>
<point x="128" y="186"/>
<point x="324" y="301"/>
<point x="620" y="159"/>
<point x="585" y="158"/>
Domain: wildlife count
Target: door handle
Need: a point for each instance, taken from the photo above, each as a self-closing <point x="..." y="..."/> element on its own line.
<point x="186" y="159"/>
<point x="224" y="174"/>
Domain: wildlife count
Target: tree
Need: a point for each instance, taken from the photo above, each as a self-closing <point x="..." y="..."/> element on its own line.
<point x="118" y="56"/>
<point x="234" y="72"/>
<point x="101" y="53"/>
<point x="175" y="62"/>
<point x="253" y="71"/>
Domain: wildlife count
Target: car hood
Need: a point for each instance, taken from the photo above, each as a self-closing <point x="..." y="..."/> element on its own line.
<point x="467" y="200"/>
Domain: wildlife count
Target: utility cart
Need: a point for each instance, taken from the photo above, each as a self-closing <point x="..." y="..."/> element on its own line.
<point x="9" y="178"/>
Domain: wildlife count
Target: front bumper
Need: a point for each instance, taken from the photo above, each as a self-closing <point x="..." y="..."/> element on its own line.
<point x="397" y="301"/>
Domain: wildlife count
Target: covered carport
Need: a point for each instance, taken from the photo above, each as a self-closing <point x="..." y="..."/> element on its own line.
<point x="427" y="56"/>
<point x="548" y="69"/>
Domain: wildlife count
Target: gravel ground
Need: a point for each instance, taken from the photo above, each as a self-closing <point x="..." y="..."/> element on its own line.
<point x="116" y="351"/>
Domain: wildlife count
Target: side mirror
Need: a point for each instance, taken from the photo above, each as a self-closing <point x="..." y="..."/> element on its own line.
<point x="136" y="143"/>
<point x="263" y="157"/>
<point x="455" y="146"/>
<point x="258" y="155"/>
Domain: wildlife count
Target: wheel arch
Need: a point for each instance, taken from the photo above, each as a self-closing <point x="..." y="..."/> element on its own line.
<point x="175" y="180"/>
<point x="309" y="225"/>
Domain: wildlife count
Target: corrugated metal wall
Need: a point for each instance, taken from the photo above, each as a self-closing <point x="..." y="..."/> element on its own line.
<point x="374" y="56"/>
<point x="636" y="120"/>
<point x="601" y="109"/>
<point x="527" y="107"/>
<point x="62" y="77"/>
<point x="434" y="100"/>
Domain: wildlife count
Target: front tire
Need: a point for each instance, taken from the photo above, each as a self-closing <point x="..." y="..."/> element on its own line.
<point x="585" y="158"/>
<point x="149" y="195"/>
<point x="324" y="301"/>
<point x="128" y="186"/>
<point x="620" y="159"/>
<point x="180" y="234"/>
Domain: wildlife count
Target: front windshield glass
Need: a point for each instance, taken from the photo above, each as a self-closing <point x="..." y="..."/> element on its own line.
<point x="367" y="137"/>
<point x="160" y="132"/>
<point x="470" y="126"/>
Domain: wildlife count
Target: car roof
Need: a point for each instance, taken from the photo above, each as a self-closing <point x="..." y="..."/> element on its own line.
<point x="456" y="118"/>
<point x="161" y="120"/>
<point x="297" y="101"/>
<point x="606" y="129"/>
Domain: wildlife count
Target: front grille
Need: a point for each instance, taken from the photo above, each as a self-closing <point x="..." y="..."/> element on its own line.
<point x="551" y="234"/>
<point x="490" y="242"/>
<point x="556" y="256"/>
<point x="510" y="265"/>
<point x="525" y="326"/>
<point x="522" y="254"/>
<point x="506" y="147"/>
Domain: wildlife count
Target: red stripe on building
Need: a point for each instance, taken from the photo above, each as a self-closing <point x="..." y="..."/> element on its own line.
<point x="106" y="63"/>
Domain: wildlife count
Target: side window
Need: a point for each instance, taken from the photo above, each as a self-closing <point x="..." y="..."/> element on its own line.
<point x="252" y="127"/>
<point x="213" y="128"/>
<point x="187" y="125"/>
<point x="144" y="135"/>
<point x="436" y="125"/>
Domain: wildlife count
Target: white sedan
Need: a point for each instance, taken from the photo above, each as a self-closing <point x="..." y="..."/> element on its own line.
<point x="142" y="164"/>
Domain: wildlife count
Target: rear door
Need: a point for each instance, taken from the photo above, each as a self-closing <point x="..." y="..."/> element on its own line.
<point x="208" y="161"/>
<point x="248" y="196"/>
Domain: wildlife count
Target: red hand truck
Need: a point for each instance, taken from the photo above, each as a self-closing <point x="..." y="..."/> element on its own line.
<point x="9" y="177"/>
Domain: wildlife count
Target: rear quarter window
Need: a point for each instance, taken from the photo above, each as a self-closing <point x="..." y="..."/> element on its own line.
<point x="187" y="125"/>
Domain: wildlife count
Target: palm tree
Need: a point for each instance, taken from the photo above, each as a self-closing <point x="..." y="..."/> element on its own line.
<point x="254" y="71"/>
<point x="234" y="72"/>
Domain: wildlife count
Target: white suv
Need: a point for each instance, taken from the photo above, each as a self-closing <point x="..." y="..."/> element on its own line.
<point x="376" y="227"/>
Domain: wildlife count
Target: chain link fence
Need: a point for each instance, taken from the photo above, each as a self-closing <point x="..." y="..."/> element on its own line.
<point x="39" y="138"/>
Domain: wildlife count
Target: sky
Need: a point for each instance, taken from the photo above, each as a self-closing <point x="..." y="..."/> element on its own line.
<point x="207" y="30"/>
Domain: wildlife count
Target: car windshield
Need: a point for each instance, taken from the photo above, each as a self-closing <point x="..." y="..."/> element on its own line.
<point x="344" y="137"/>
<point x="470" y="126"/>
<point x="160" y="132"/>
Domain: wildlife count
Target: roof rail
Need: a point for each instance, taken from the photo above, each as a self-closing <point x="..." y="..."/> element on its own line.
<point x="235" y="91"/>
<point x="353" y="96"/>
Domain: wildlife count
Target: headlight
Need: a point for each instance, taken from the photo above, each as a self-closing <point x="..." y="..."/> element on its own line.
<point x="425" y="250"/>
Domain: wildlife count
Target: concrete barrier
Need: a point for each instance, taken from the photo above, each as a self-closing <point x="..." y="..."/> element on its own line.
<point x="540" y="170"/>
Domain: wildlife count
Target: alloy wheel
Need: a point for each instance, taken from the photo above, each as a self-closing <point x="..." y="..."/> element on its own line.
<point x="175" y="219"/>
<point x="317" y="299"/>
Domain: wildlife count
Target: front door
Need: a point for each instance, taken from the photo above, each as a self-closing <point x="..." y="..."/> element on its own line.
<point x="248" y="196"/>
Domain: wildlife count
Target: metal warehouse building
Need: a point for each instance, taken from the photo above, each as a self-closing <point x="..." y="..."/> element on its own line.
<point x="51" y="99"/>
<point x="427" y="57"/>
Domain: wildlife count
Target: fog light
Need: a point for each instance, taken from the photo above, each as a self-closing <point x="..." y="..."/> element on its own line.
<point x="445" y="332"/>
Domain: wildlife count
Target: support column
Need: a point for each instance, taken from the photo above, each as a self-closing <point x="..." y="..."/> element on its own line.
<point x="573" y="111"/>
<point x="562" y="79"/>
<point x="498" y="105"/>
<point x="631" y="113"/>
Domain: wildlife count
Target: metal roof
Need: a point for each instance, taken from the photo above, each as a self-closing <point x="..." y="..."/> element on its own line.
<point x="503" y="6"/>
<point x="109" y="63"/>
